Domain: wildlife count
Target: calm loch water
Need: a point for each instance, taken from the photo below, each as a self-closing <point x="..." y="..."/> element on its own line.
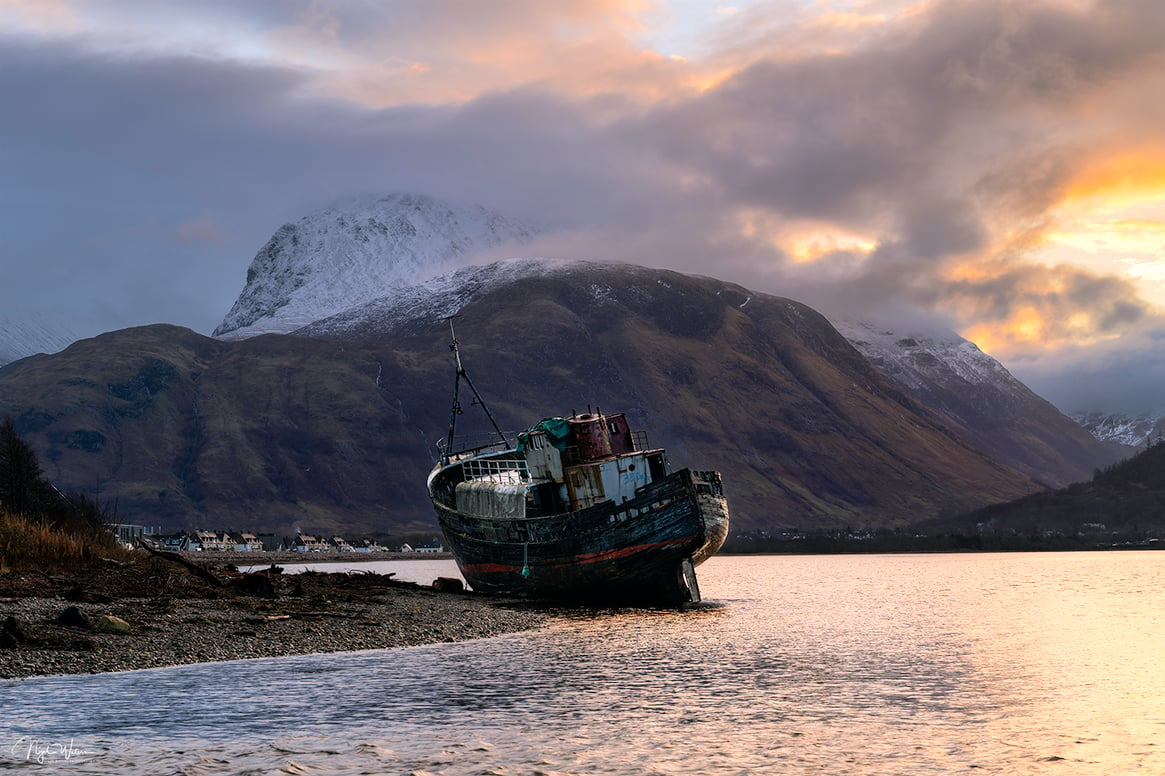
<point x="892" y="664"/>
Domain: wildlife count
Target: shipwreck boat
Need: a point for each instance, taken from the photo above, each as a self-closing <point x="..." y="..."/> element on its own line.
<point x="579" y="508"/>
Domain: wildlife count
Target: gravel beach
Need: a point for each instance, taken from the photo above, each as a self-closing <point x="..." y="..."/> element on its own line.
<point x="155" y="613"/>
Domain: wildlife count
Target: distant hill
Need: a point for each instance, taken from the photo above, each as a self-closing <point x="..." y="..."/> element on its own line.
<point x="1125" y="500"/>
<point x="335" y="431"/>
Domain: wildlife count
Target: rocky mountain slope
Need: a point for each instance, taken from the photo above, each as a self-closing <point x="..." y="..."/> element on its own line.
<point x="977" y="398"/>
<point x="336" y="430"/>
<point x="1119" y="428"/>
<point x="357" y="251"/>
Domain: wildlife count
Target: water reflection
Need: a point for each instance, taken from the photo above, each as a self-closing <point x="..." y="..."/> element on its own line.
<point x="841" y="665"/>
<point x="421" y="570"/>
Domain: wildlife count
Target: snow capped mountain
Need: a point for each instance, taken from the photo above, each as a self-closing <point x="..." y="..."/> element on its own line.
<point x="916" y="360"/>
<point x="966" y="390"/>
<point x="409" y="309"/>
<point x="1118" y="427"/>
<point x="977" y="398"/>
<point x="360" y="250"/>
<point x="21" y="338"/>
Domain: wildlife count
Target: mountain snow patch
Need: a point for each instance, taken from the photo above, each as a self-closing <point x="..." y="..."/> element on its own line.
<point x="29" y="336"/>
<point x="412" y="309"/>
<point x="360" y="250"/>
<point x="912" y="359"/>
<point x="1134" y="430"/>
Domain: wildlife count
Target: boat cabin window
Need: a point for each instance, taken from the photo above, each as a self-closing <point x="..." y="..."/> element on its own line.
<point x="543" y="500"/>
<point x="656" y="467"/>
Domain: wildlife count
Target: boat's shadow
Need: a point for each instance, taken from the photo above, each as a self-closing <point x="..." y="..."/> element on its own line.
<point x="590" y="610"/>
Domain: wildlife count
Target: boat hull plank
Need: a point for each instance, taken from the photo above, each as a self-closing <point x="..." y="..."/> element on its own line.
<point x="628" y="552"/>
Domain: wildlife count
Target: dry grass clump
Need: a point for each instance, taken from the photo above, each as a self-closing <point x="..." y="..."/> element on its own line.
<point x="41" y="527"/>
<point x="27" y="543"/>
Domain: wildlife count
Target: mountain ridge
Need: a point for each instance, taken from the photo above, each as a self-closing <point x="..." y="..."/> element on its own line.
<point x="1134" y="431"/>
<point x="978" y="398"/>
<point x="381" y="255"/>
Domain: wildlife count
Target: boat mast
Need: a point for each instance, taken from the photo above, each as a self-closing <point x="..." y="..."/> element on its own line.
<point x="456" y="410"/>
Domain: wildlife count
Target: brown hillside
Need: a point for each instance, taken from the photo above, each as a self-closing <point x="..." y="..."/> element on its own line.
<point x="281" y="432"/>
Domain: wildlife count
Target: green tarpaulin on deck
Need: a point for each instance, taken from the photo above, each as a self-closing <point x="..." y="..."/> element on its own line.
<point x="556" y="429"/>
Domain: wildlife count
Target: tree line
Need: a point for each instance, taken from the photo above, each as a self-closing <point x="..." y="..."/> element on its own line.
<point x="39" y="525"/>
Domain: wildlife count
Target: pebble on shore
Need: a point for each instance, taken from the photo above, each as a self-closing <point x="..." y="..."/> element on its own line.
<point x="152" y="615"/>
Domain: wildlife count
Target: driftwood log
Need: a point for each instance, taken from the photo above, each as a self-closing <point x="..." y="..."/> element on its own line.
<point x="199" y="571"/>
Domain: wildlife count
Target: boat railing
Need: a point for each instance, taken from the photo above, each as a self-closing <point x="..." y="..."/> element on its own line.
<point x="708" y="483"/>
<point x="500" y="470"/>
<point x="474" y="444"/>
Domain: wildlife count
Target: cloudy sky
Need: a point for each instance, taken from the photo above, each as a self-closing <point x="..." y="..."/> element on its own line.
<point x="998" y="165"/>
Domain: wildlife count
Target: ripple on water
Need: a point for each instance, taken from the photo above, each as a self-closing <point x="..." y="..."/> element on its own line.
<point x="1016" y="664"/>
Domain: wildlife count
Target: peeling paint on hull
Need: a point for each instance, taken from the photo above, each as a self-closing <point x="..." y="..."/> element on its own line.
<point x="631" y="553"/>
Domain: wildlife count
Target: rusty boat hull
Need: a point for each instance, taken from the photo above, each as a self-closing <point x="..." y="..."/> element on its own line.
<point x="641" y="550"/>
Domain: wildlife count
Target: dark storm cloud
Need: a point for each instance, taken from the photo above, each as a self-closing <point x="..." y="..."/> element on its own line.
<point x="1122" y="375"/>
<point x="112" y="164"/>
<point x="786" y="137"/>
<point x="1056" y="295"/>
<point x="951" y="102"/>
<point x="104" y="160"/>
<point x="949" y="138"/>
